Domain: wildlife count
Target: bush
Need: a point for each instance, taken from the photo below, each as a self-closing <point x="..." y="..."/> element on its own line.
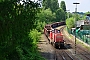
<point x="16" y="21"/>
<point x="34" y="35"/>
<point x="70" y="22"/>
<point x="28" y="51"/>
<point x="40" y="25"/>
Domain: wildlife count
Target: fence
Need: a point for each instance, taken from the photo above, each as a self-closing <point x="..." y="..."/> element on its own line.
<point x="83" y="35"/>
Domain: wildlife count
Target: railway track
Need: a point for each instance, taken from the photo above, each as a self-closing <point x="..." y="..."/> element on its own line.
<point x="63" y="53"/>
<point x="82" y="54"/>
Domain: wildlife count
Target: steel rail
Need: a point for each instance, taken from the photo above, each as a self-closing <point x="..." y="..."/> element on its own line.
<point x="69" y="56"/>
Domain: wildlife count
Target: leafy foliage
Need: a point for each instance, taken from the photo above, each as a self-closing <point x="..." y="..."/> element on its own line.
<point x="17" y="39"/>
<point x="87" y="13"/>
<point x="28" y="51"/>
<point x="69" y="15"/>
<point x="61" y="12"/>
<point x="34" y="35"/>
<point x="70" y="22"/>
<point x="60" y="15"/>
<point x="46" y="16"/>
<point x="78" y="17"/>
<point x="52" y="4"/>
<point x="40" y="25"/>
<point x="43" y="18"/>
<point x="63" y="6"/>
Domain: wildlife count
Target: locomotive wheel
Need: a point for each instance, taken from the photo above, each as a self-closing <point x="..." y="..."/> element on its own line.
<point x="56" y="46"/>
<point x="51" y="43"/>
<point x="61" y="45"/>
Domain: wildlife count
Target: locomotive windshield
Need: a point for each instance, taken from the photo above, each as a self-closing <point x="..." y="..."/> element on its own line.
<point x="48" y="27"/>
<point x="55" y="31"/>
<point x="58" y="31"/>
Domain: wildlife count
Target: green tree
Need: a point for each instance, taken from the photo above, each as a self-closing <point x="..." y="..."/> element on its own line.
<point x="69" y="15"/>
<point x="52" y="4"/>
<point x="46" y="16"/>
<point x="16" y="30"/>
<point x="63" y="5"/>
<point x="70" y="22"/>
<point x="60" y="15"/>
<point x="87" y="13"/>
<point x="77" y="17"/>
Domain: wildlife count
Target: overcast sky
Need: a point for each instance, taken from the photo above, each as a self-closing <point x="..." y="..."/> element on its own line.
<point x="84" y="5"/>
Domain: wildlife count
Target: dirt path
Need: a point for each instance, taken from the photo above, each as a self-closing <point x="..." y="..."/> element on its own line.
<point x="46" y="49"/>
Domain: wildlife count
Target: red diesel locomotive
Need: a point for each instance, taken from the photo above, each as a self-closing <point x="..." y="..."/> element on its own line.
<point x="55" y="36"/>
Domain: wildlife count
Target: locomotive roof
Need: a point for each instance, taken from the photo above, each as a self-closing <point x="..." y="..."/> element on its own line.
<point x="48" y="25"/>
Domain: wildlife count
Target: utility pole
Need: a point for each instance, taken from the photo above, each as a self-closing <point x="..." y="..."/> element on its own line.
<point x="75" y="23"/>
<point x="68" y="12"/>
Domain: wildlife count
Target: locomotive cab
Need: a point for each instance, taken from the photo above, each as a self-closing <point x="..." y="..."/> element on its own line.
<point x="58" y="39"/>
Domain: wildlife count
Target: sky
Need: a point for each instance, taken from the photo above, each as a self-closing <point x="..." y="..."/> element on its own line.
<point x="84" y="5"/>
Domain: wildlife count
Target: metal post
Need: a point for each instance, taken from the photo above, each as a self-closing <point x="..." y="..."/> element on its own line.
<point x="75" y="24"/>
<point x="68" y="13"/>
<point x="75" y="31"/>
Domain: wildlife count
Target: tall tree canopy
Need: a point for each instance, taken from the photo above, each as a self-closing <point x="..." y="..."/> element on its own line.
<point x="63" y="5"/>
<point x="46" y="16"/>
<point x="17" y="39"/>
<point x="52" y="4"/>
<point x="60" y="15"/>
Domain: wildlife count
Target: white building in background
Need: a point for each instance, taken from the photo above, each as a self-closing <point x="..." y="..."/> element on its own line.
<point x="79" y="23"/>
<point x="82" y="22"/>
